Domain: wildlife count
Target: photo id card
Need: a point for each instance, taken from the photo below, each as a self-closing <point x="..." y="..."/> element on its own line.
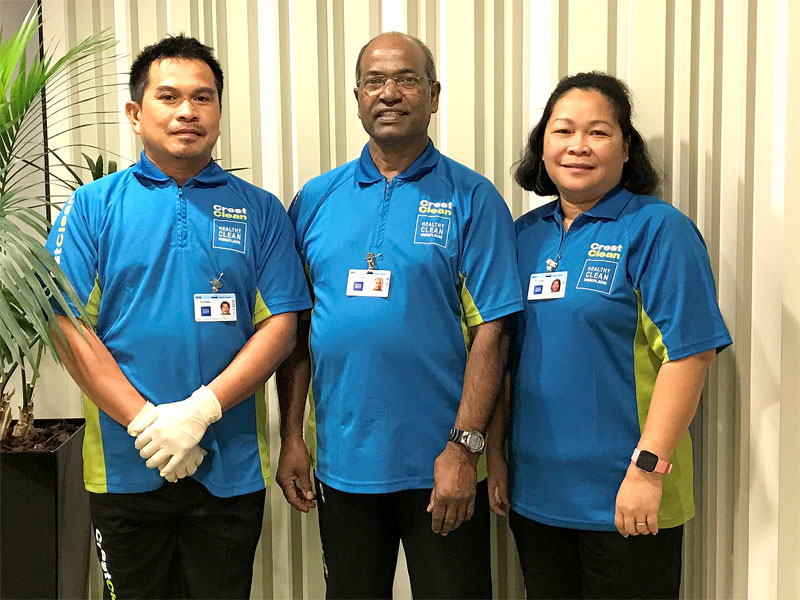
<point x="362" y="282"/>
<point x="214" y="307"/>
<point x="547" y="286"/>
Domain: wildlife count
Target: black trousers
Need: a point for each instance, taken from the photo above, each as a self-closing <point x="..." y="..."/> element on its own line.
<point x="361" y="535"/>
<point x="575" y="563"/>
<point x="178" y="541"/>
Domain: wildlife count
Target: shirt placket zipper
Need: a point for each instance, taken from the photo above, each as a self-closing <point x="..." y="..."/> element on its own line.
<point x="377" y="239"/>
<point x="562" y="244"/>
<point x="181" y="226"/>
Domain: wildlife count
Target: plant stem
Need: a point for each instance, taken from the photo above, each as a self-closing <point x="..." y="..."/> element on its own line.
<point x="38" y="362"/>
<point x="7" y="378"/>
<point x="25" y="394"/>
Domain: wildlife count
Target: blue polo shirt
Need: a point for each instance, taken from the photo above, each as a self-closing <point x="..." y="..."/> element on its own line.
<point x="137" y="247"/>
<point x="387" y="373"/>
<point x="639" y="292"/>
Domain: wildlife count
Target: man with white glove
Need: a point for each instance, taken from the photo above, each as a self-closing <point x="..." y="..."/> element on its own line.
<point x="176" y="430"/>
<point x="170" y="445"/>
<point x="154" y="252"/>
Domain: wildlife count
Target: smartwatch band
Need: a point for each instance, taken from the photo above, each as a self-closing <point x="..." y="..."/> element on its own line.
<point x="650" y="462"/>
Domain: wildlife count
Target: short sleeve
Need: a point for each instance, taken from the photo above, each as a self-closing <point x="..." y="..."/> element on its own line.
<point x="673" y="278"/>
<point x="281" y="281"/>
<point x="294" y="219"/>
<point x="73" y="243"/>
<point x="490" y="283"/>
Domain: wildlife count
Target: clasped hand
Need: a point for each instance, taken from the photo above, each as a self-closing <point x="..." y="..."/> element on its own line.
<point x="167" y="435"/>
<point x="453" y="495"/>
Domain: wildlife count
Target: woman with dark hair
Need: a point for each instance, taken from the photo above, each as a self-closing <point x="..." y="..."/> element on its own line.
<point x="606" y="378"/>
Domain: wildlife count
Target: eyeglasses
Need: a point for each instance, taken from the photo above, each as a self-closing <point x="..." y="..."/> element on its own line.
<point x="405" y="82"/>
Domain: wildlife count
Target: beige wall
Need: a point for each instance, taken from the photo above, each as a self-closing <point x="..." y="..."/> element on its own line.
<point x="712" y="85"/>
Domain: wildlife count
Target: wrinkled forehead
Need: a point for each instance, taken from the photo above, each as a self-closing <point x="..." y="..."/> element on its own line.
<point x="393" y="53"/>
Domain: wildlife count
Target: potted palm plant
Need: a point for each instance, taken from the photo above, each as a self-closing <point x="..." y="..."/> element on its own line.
<point x="45" y="540"/>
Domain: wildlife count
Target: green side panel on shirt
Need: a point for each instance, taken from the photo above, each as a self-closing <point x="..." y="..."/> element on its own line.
<point x="465" y="331"/>
<point x="471" y="317"/>
<point x="261" y="312"/>
<point x="94" y="463"/>
<point x="649" y="353"/>
<point x="471" y="311"/>
<point x="93" y="304"/>
<point x="261" y="433"/>
<point x="311" y="427"/>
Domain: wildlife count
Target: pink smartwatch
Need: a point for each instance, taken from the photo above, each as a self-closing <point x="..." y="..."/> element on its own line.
<point x="649" y="462"/>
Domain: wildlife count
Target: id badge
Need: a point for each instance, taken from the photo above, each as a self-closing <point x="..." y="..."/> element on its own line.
<point x="214" y="307"/>
<point x="362" y="282"/>
<point x="547" y="286"/>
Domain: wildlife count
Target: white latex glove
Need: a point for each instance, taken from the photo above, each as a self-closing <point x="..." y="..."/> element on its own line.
<point x="178" y="427"/>
<point x="186" y="467"/>
<point x="142" y="420"/>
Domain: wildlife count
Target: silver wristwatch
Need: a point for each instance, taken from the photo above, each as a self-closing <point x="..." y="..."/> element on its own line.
<point x="471" y="440"/>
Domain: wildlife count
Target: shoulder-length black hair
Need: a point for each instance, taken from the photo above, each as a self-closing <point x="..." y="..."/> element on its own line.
<point x="638" y="175"/>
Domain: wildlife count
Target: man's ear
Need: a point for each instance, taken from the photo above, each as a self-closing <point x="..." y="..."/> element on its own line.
<point x="132" y="110"/>
<point x="436" y="89"/>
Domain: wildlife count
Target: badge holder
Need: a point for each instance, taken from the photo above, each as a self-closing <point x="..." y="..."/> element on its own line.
<point x="215" y="307"/>
<point x="547" y="286"/>
<point x="369" y="282"/>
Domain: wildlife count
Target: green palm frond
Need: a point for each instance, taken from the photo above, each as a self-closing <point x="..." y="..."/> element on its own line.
<point x="31" y="282"/>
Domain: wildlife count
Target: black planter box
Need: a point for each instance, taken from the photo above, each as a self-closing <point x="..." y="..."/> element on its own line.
<point x="44" y="521"/>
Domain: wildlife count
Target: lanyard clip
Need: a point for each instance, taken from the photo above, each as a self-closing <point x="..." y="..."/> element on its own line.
<point x="216" y="283"/>
<point x="371" y="259"/>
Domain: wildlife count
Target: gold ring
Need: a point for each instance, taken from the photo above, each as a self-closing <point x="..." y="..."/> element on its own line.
<point x="638" y="524"/>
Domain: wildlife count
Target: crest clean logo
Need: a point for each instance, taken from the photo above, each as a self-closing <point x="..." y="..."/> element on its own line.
<point x="605" y="251"/>
<point x="224" y="212"/>
<point x="426" y="207"/>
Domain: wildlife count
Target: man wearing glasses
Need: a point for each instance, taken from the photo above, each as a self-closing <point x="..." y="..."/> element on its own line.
<point x="404" y="374"/>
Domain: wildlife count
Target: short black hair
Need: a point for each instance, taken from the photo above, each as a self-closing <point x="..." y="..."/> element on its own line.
<point x="178" y="46"/>
<point x="638" y="174"/>
<point x="430" y="66"/>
